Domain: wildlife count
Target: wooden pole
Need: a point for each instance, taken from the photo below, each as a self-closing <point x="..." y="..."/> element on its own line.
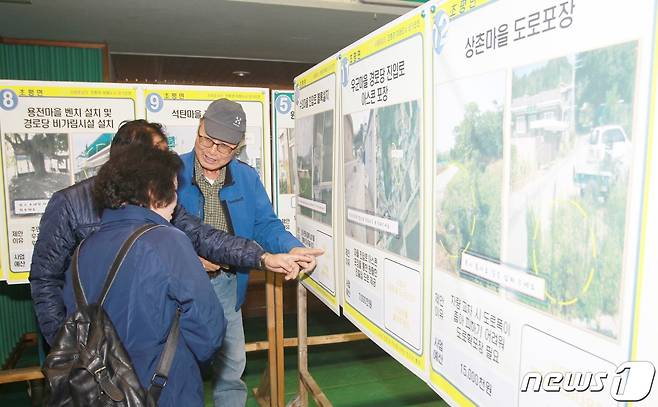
<point x="279" y="378"/>
<point x="318" y="395"/>
<point x="271" y="337"/>
<point x="266" y="393"/>
<point x="302" y="348"/>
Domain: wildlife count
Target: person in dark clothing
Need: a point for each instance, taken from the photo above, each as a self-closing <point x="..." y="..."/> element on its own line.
<point x="160" y="274"/>
<point x="70" y="216"/>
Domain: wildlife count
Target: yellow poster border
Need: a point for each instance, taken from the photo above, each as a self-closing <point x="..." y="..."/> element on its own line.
<point x="418" y="361"/>
<point x="306" y="279"/>
<point x="442" y="383"/>
<point x="80" y="92"/>
<point x="391" y="36"/>
<point x="322" y="71"/>
<point x="448" y="5"/>
<point x="204" y="95"/>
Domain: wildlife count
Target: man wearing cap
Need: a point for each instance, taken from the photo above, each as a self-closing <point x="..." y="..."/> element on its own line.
<point x="228" y="194"/>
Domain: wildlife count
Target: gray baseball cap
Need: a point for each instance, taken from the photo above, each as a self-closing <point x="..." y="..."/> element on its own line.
<point x="225" y="120"/>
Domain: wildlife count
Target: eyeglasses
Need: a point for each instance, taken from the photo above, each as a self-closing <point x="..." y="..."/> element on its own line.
<point x="207" y="142"/>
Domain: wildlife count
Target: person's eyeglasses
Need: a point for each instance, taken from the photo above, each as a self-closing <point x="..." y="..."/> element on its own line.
<point x="207" y="142"/>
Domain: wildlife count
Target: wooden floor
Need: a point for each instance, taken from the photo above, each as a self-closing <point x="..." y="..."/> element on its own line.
<point x="356" y="374"/>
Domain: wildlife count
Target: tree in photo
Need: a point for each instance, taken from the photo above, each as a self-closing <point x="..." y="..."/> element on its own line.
<point x="605" y="85"/>
<point x="38" y="148"/>
<point x="41" y="164"/>
<point x="470" y="214"/>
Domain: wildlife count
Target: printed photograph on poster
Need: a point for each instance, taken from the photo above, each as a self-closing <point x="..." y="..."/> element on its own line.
<point x="35" y="166"/>
<point x="315" y="165"/>
<point x="469" y="172"/>
<point x="286" y="146"/>
<point x="90" y="152"/>
<point x="251" y="152"/>
<point x="572" y="145"/>
<point x="382" y="177"/>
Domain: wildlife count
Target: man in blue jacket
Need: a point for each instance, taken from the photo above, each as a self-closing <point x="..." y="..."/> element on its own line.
<point x="228" y="194"/>
<point x="71" y="216"/>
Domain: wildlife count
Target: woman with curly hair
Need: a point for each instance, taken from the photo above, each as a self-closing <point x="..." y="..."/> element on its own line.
<point x="160" y="274"/>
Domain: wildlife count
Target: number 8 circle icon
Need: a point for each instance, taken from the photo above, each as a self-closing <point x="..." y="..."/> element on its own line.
<point x="9" y="99"/>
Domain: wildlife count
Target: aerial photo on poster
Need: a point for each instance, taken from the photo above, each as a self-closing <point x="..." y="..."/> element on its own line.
<point x="382" y="175"/>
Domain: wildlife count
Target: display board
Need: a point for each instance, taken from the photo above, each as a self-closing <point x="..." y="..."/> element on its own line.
<point x="316" y="141"/>
<point x="383" y="124"/>
<point x="283" y="145"/>
<point x="645" y="328"/>
<point x="179" y="109"/>
<point x="53" y="135"/>
<point x="541" y="113"/>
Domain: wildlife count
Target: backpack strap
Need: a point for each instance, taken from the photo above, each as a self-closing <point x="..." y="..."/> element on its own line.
<point x="118" y="260"/>
<point x="160" y="377"/>
<point x="79" y="293"/>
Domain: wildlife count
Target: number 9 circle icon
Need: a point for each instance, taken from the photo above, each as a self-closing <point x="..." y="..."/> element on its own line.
<point x="154" y="102"/>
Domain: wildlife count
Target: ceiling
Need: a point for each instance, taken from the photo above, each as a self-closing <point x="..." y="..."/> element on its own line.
<point x="302" y="31"/>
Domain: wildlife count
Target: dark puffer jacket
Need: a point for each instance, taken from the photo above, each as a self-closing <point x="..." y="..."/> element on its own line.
<point x="71" y="216"/>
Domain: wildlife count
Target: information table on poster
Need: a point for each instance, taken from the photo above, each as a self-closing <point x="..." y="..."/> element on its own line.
<point x="179" y="109"/>
<point x="283" y="138"/>
<point x="53" y="135"/>
<point x="316" y="107"/>
<point x="383" y="125"/>
<point x="540" y="139"/>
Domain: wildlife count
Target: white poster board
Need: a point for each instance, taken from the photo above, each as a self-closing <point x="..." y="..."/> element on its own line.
<point x="540" y="142"/>
<point x="283" y="145"/>
<point x="383" y="122"/>
<point x="179" y="109"/>
<point x="53" y="135"/>
<point x="316" y="105"/>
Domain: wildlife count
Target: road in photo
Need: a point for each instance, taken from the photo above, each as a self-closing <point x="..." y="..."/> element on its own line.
<point x="571" y="146"/>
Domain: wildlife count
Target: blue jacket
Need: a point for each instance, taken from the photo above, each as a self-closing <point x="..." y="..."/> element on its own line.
<point x="249" y="210"/>
<point x="160" y="273"/>
<point x="71" y="216"/>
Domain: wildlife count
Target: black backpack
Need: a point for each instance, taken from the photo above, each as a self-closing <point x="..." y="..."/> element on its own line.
<point x="88" y="365"/>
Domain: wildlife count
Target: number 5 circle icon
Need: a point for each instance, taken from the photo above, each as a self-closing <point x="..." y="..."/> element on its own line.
<point x="283" y="104"/>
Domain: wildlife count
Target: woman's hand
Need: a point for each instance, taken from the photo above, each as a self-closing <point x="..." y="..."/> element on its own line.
<point x="284" y="263"/>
